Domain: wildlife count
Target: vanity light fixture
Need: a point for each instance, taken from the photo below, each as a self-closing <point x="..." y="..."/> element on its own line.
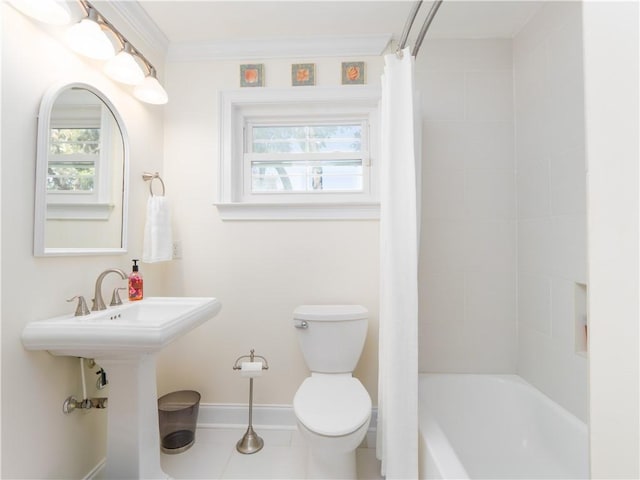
<point x="150" y="90"/>
<point x="53" y="12"/>
<point x="91" y="37"/>
<point x="123" y="67"/>
<point x="87" y="38"/>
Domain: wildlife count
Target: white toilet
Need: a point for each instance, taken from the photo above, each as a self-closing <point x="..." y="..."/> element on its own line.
<point x="332" y="407"/>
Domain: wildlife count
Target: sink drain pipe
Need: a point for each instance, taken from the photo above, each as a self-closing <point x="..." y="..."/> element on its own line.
<point x="71" y="403"/>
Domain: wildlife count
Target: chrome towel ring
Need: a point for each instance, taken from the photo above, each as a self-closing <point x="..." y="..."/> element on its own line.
<point x="150" y="177"/>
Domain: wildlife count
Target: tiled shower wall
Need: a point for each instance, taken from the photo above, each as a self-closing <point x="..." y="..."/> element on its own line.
<point x="552" y="236"/>
<point x="468" y="244"/>
<point x="503" y="248"/>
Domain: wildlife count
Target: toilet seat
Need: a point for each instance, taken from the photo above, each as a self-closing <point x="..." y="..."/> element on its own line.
<point x="332" y="405"/>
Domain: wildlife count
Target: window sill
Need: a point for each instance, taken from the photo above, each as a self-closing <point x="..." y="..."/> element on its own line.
<point x="299" y="211"/>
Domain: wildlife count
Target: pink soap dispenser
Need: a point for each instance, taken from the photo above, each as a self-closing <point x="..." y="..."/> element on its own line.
<point x="135" y="283"/>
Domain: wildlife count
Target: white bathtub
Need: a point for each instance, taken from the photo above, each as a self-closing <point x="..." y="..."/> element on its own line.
<point x="496" y="427"/>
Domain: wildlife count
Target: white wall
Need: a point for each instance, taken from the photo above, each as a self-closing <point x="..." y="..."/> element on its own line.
<point x="39" y="441"/>
<point x="468" y="248"/>
<point x="551" y="171"/>
<point x="612" y="112"/>
<point x="260" y="270"/>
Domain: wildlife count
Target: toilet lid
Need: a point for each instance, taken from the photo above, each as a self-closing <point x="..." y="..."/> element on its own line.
<point x="332" y="405"/>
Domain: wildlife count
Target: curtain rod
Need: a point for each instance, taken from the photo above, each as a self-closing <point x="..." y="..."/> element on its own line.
<point x="423" y="31"/>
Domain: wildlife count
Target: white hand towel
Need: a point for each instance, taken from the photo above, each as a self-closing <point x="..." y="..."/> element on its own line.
<point x="158" y="237"/>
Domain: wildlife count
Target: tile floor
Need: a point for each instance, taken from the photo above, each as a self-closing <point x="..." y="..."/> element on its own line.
<point x="214" y="456"/>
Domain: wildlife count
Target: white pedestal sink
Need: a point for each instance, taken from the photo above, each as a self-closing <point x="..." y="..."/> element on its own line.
<point x="124" y="340"/>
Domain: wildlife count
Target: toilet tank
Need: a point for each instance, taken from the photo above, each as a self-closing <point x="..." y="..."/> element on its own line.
<point x="331" y="336"/>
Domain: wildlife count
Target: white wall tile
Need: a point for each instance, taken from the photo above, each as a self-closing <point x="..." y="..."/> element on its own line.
<point x="440" y="293"/>
<point x="569" y="253"/>
<point x="449" y="55"/>
<point x="489" y="54"/>
<point x="466" y="55"/>
<point x="566" y="116"/>
<point x="490" y="300"/>
<point x="568" y="186"/>
<point x="442" y="348"/>
<point x="534" y="245"/>
<point x="533" y="135"/>
<point x="489" y="194"/>
<point x="549" y="116"/>
<point x="489" y="145"/>
<point x="443" y="245"/>
<point x="490" y="347"/>
<point x="566" y="42"/>
<point x="442" y="144"/>
<point x="534" y="197"/>
<point x="443" y="193"/>
<point x="532" y="363"/>
<point x="534" y="302"/>
<point x="531" y="75"/>
<point x="563" y="312"/>
<point x="442" y="95"/>
<point x="468" y="253"/>
<point x="489" y="96"/>
<point x="489" y="245"/>
<point x="536" y="30"/>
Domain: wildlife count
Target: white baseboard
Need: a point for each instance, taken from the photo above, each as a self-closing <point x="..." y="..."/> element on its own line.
<point x="276" y="417"/>
<point x="235" y="415"/>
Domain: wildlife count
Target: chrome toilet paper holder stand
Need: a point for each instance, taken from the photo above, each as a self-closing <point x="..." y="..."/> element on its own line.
<point x="250" y="441"/>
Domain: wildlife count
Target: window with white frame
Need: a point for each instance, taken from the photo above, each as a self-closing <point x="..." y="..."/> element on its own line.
<point x="78" y="168"/>
<point x="299" y="154"/>
<point x="73" y="160"/>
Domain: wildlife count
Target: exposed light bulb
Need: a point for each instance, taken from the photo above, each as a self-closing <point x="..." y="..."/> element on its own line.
<point x="150" y="91"/>
<point x="123" y="67"/>
<point x="53" y="12"/>
<point x="87" y="38"/>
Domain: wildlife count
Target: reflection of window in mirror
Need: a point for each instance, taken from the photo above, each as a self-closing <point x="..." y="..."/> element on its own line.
<point x="80" y="149"/>
<point x="73" y="159"/>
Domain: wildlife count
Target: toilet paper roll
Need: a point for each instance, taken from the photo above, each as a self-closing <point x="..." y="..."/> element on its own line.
<point x="251" y="369"/>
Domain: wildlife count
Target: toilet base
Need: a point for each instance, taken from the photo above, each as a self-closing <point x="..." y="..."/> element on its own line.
<point x="332" y="457"/>
<point x="338" y="466"/>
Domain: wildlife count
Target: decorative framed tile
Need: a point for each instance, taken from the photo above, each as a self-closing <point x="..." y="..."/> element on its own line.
<point x="252" y="75"/>
<point x="353" y="73"/>
<point x="303" y="74"/>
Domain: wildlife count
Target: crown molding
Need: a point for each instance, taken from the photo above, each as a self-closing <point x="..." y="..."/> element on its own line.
<point x="290" y="47"/>
<point x="135" y="23"/>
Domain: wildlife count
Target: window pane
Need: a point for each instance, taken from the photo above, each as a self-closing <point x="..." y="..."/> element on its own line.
<point x="340" y="146"/>
<point x="335" y="131"/>
<point x="279" y="146"/>
<point x="279" y="133"/>
<point x="68" y="141"/>
<point x="76" y="153"/>
<point x="70" y="178"/>
<point x="306" y="139"/>
<point x="307" y="176"/>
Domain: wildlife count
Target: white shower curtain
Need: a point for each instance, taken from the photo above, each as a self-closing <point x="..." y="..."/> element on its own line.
<point x="397" y="441"/>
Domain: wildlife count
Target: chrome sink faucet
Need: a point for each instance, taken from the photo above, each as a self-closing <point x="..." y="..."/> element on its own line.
<point x="98" y="302"/>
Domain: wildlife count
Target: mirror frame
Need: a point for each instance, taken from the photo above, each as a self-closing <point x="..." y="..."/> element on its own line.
<point x="42" y="154"/>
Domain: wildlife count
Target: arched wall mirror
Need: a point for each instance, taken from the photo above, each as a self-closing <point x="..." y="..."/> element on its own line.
<point x="81" y="174"/>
